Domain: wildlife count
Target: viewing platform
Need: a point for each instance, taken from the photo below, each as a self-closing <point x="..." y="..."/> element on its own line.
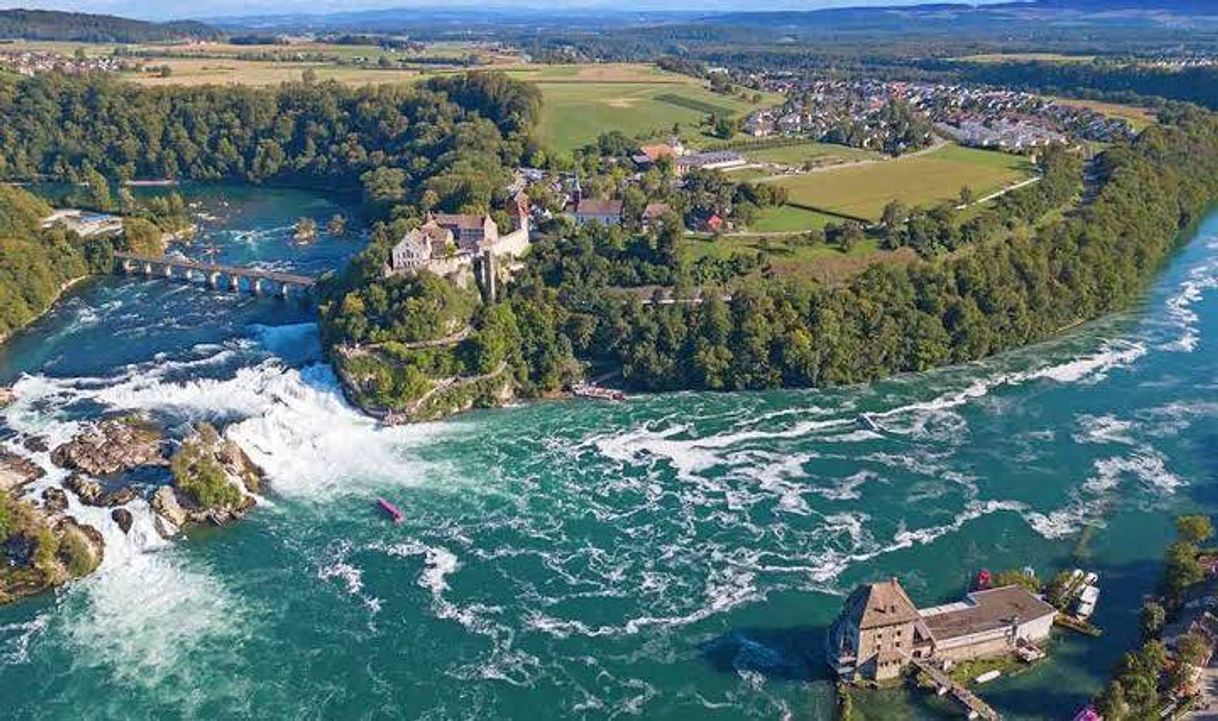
<point x="231" y="277"/>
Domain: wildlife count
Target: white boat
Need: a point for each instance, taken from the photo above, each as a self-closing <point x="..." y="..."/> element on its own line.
<point x="1085" y="605"/>
<point x="988" y="676"/>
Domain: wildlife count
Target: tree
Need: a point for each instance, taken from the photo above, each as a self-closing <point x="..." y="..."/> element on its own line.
<point x="1180" y="678"/>
<point x="99" y="190"/>
<point x="1192" y="649"/>
<point x="309" y="76"/>
<point x="1111" y="703"/>
<point x="724" y="127"/>
<point x="1183" y="569"/>
<point x="143" y="237"/>
<point x="1016" y="577"/>
<point x="1194" y="529"/>
<point x="967" y="196"/>
<point x="894" y="213"/>
<point x="1151" y="619"/>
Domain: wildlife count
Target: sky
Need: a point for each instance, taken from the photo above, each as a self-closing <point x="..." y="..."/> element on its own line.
<point x="166" y="9"/>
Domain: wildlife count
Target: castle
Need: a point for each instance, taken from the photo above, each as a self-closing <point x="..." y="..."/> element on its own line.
<point x="462" y="246"/>
<point x="880" y="631"/>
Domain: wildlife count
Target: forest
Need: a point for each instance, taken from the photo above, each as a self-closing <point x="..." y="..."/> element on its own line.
<point x="447" y="134"/>
<point x="83" y="27"/>
<point x="34" y="263"/>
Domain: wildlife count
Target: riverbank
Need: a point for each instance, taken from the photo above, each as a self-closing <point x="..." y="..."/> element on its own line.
<point x="63" y="289"/>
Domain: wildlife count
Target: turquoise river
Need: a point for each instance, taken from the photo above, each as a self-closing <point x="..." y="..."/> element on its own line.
<point x="671" y="557"/>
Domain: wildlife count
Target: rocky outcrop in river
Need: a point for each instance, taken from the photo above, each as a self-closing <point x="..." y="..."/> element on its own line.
<point x="17" y="472"/>
<point x="38" y="553"/>
<point x="213" y="482"/>
<point x="6" y="396"/>
<point x="112" y="446"/>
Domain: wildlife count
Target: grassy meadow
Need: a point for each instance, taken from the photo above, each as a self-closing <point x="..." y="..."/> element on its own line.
<point x="810" y="152"/>
<point x="863" y="190"/>
<point x="637" y="100"/>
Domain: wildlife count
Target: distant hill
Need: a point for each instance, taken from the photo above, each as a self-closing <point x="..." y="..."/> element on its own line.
<point x="81" y="27"/>
<point x="949" y="16"/>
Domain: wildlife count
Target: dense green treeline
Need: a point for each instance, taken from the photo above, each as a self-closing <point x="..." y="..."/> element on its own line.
<point x="1195" y="85"/>
<point x="891" y="319"/>
<point x="447" y="144"/>
<point x="84" y="27"/>
<point x="34" y="263"/>
<point x="449" y="132"/>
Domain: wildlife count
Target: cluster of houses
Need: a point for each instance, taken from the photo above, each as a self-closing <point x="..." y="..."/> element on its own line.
<point x="571" y="201"/>
<point x="819" y="109"/>
<point x="1183" y="62"/>
<point x="32" y="62"/>
<point x="1002" y="134"/>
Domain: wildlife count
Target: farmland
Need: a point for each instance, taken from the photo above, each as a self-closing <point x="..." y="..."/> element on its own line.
<point x="645" y="101"/>
<point x="809" y="152"/>
<point x="580" y="101"/>
<point x="789" y="219"/>
<point x="863" y="190"/>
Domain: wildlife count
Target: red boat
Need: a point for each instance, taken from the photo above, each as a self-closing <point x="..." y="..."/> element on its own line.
<point x="394" y="512"/>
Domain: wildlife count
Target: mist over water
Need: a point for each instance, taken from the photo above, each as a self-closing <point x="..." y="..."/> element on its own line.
<point x="675" y="556"/>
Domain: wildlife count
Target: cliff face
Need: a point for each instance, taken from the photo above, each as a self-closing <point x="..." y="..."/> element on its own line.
<point x="431" y="399"/>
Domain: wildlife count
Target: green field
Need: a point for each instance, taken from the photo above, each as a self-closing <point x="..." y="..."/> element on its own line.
<point x="789" y="219"/>
<point x="864" y="190"/>
<point x="576" y="113"/>
<point x="800" y="153"/>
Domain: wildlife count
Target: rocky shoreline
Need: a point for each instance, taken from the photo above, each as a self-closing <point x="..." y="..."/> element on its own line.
<point x="212" y="481"/>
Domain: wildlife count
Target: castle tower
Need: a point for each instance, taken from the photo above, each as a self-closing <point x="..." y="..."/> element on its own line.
<point x="520" y="209"/>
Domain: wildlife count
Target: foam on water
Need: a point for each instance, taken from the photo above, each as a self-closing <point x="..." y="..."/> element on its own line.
<point x="1189" y="292"/>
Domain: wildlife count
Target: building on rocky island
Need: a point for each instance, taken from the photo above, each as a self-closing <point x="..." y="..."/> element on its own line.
<point x="463" y="246"/>
<point x="880" y="630"/>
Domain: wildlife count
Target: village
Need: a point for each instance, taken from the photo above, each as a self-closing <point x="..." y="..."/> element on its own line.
<point x="856" y="113"/>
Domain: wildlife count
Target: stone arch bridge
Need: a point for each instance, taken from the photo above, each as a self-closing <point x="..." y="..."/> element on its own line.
<point x="231" y="277"/>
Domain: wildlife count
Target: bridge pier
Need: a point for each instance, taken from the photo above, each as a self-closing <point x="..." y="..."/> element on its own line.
<point x="259" y="282"/>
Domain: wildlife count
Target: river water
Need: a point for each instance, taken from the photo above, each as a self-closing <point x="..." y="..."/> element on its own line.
<point x="675" y="556"/>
